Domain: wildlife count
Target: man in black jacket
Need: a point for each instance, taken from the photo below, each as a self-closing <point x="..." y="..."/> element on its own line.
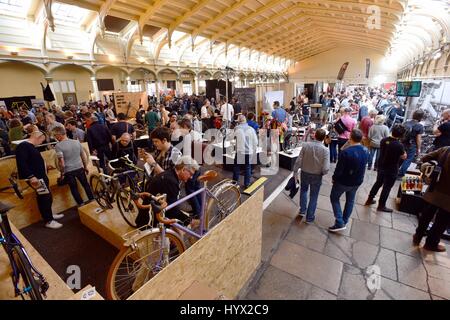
<point x="31" y="166"/>
<point x="168" y="182"/>
<point x="99" y="139"/>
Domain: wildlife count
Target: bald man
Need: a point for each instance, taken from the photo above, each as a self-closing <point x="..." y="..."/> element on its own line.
<point x="124" y="146"/>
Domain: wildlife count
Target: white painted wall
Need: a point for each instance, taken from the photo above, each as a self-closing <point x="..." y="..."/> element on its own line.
<point x="325" y="67"/>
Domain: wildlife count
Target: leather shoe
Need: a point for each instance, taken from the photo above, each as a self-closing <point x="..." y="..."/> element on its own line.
<point x="438" y="248"/>
<point x="370" y="202"/>
<point x="416" y="239"/>
<point x="384" y="209"/>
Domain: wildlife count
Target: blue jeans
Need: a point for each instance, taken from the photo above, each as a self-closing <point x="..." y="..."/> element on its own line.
<point x="314" y="181"/>
<point x="374" y="151"/>
<point x="246" y="162"/>
<point x="333" y="151"/>
<point x="191" y="186"/>
<point x="350" y="195"/>
<point x="306" y="118"/>
<point x="411" y="153"/>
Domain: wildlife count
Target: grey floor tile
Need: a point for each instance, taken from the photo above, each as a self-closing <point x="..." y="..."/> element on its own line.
<point x="325" y="219"/>
<point x="411" y="271"/>
<point x="398" y="241"/>
<point x="438" y="280"/>
<point x="276" y="284"/>
<point x="366" y="232"/>
<point x="354" y="287"/>
<point x="315" y="268"/>
<point x="440" y="258"/>
<point x="274" y="228"/>
<point x="283" y="206"/>
<point x="387" y="262"/>
<point x="320" y="294"/>
<point x="392" y="290"/>
<point x="323" y="202"/>
<point x="309" y="236"/>
<point x="405" y="223"/>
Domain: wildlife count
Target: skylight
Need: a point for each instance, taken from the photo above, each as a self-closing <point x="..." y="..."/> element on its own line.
<point x="15" y="7"/>
<point x="67" y="14"/>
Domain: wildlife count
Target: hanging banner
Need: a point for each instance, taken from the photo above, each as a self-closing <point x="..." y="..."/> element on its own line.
<point x="342" y="71"/>
<point x="367" y="68"/>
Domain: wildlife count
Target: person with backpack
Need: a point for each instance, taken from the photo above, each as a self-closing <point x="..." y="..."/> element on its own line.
<point x="344" y="126"/>
<point x="437" y="198"/>
<point x="412" y="140"/>
<point x="377" y="132"/>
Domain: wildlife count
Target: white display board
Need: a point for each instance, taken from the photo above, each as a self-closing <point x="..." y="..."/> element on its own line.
<point x="270" y="97"/>
<point x="446" y="94"/>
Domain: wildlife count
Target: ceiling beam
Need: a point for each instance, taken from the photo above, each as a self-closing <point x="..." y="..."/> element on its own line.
<point x="258" y="12"/>
<point x="358" y="36"/>
<point x="295" y="40"/>
<point x="311" y="51"/>
<point x="103" y="12"/>
<point x="361" y="5"/>
<point x="81" y="4"/>
<point x="295" y="47"/>
<point x="149" y="12"/>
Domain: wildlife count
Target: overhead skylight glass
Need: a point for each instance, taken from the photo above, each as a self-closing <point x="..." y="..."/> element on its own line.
<point x="15" y="7"/>
<point x="67" y="14"/>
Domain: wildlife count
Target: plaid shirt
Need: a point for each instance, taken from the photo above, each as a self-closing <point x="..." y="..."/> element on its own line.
<point x="167" y="161"/>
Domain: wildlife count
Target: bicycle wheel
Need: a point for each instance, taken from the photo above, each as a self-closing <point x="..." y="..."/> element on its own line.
<point x="26" y="281"/>
<point x="100" y="191"/>
<point x="126" y="206"/>
<point x="136" y="265"/>
<point x="287" y="143"/>
<point x="225" y="200"/>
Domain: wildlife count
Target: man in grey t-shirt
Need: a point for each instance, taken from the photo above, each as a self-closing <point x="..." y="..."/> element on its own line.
<point x="72" y="161"/>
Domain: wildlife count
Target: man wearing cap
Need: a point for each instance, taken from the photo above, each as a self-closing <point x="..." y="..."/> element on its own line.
<point x="99" y="139"/>
<point x="246" y="144"/>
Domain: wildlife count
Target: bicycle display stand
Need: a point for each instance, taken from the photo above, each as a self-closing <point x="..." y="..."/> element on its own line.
<point x="108" y="224"/>
<point x="287" y="160"/>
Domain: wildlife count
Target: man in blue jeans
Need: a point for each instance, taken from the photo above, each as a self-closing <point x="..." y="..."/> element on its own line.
<point x="347" y="177"/>
<point x="412" y="140"/>
<point x="314" y="161"/>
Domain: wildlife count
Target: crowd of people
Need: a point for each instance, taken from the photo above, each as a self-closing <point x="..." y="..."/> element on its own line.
<point x="360" y="130"/>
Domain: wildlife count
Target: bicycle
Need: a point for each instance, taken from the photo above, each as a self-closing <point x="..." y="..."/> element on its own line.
<point x="13" y="177"/>
<point x="148" y="250"/>
<point x="108" y="188"/>
<point x="26" y="279"/>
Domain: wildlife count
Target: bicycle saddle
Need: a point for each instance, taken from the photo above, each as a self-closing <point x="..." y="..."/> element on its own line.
<point x="208" y="176"/>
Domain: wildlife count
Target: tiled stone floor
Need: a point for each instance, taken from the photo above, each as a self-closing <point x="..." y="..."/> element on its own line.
<point x="301" y="261"/>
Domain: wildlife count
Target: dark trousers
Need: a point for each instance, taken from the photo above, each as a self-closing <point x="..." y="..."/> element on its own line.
<point x="441" y="222"/>
<point x="385" y="180"/>
<point x="44" y="202"/>
<point x="340" y="143"/>
<point x="103" y="152"/>
<point x="191" y="186"/>
<point x="71" y="178"/>
<point x="242" y="160"/>
<point x="333" y="151"/>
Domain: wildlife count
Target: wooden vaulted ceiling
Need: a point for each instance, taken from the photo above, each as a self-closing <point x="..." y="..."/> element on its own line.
<point x="293" y="29"/>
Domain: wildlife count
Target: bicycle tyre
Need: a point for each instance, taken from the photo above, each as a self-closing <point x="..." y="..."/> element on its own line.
<point x="25" y="272"/>
<point x="15" y="187"/>
<point x="213" y="214"/>
<point x="116" y="280"/>
<point x="99" y="189"/>
<point x="287" y="143"/>
<point x="127" y="208"/>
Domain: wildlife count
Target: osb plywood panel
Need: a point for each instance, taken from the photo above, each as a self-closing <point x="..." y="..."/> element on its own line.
<point x="26" y="211"/>
<point x="58" y="288"/>
<point x="79" y="294"/>
<point x="108" y="224"/>
<point x="224" y="259"/>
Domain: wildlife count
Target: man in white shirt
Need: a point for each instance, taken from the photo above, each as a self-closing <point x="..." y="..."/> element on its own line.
<point x="246" y="145"/>
<point x="227" y="112"/>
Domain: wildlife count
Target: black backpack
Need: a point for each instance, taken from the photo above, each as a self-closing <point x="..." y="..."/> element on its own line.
<point x="409" y="136"/>
<point x="340" y="127"/>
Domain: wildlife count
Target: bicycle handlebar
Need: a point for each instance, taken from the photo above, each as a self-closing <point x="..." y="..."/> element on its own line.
<point x="157" y="204"/>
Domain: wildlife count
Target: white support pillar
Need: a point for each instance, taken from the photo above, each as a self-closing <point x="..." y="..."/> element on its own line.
<point x="95" y="88"/>
<point x="157" y="87"/>
<point x="179" y="85"/>
<point x="196" y="85"/>
<point x="128" y="84"/>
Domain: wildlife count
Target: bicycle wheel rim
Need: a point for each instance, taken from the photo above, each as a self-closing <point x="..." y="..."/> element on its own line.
<point x="230" y="199"/>
<point x="126" y="206"/>
<point x="99" y="190"/>
<point x="25" y="274"/>
<point x="132" y="268"/>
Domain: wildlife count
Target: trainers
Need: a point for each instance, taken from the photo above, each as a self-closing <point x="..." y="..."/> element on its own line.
<point x="336" y="228"/>
<point x="370" y="202"/>
<point x="58" y="216"/>
<point x="438" y="248"/>
<point x="309" y="222"/>
<point x="53" y="225"/>
<point x="301" y="214"/>
<point x="384" y="209"/>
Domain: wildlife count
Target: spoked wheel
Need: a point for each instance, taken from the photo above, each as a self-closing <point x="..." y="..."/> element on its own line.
<point x="133" y="267"/>
<point x="289" y="142"/>
<point x="227" y="198"/>
<point x="28" y="283"/>
<point x="127" y="208"/>
<point x="100" y="191"/>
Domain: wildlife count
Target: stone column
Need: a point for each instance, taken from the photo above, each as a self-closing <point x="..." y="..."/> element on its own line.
<point x="196" y="85"/>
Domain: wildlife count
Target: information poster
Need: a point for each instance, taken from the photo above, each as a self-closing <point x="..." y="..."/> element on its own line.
<point x="128" y="102"/>
<point x="247" y="98"/>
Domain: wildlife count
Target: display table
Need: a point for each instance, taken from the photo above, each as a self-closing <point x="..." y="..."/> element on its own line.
<point x="410" y="201"/>
<point x="287" y="160"/>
